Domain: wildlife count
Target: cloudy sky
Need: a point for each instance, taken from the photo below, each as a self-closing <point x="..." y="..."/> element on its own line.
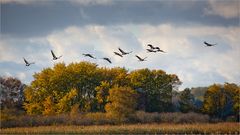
<point x="31" y="28"/>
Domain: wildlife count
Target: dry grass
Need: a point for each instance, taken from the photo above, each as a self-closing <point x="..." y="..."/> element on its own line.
<point x="218" y="128"/>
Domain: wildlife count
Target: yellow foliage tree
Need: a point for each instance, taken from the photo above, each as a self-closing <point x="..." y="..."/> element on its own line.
<point x="48" y="106"/>
<point x="67" y="101"/>
<point x="32" y="102"/>
<point x="214" y="100"/>
<point x="102" y="93"/>
<point x="218" y="98"/>
<point x="122" y="103"/>
<point x="233" y="91"/>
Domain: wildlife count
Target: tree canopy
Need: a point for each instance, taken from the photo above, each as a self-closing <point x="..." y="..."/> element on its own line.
<point x="57" y="89"/>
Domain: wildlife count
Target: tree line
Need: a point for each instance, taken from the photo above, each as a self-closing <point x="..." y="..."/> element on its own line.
<point x="85" y="87"/>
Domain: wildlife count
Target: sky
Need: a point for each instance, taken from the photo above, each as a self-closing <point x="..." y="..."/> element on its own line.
<point x="31" y="28"/>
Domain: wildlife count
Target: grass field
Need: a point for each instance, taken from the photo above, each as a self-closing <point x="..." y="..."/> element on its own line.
<point x="219" y="128"/>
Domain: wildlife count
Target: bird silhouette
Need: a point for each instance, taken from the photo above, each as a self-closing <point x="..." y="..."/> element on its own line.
<point x="123" y="52"/>
<point x="54" y="56"/>
<point x="118" y="54"/>
<point x="151" y="50"/>
<point x="141" y="59"/>
<point x="159" y="50"/>
<point x="88" y="55"/>
<point x="154" y="49"/>
<point x="208" y="44"/>
<point x="107" y="59"/>
<point x="151" y="46"/>
<point x="28" y="63"/>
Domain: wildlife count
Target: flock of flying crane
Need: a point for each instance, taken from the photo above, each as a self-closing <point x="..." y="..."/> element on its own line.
<point x="152" y="49"/>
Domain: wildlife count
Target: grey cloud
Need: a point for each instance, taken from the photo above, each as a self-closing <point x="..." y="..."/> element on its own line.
<point x="39" y="20"/>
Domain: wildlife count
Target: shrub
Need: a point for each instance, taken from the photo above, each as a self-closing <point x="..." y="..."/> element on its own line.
<point x="102" y="119"/>
<point x="191" y="118"/>
<point x="145" y="117"/>
<point x="10" y="114"/>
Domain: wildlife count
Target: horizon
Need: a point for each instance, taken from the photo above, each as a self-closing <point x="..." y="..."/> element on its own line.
<point x="31" y="29"/>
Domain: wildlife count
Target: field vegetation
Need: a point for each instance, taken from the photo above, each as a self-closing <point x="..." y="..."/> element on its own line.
<point x="219" y="128"/>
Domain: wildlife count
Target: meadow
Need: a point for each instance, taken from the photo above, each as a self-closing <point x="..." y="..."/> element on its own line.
<point x="218" y="128"/>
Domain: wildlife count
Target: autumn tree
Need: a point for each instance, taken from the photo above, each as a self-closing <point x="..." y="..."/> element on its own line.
<point x="222" y="100"/>
<point x="49" y="91"/>
<point x="49" y="107"/>
<point x="67" y="101"/>
<point x="57" y="83"/>
<point x="102" y="94"/>
<point x="122" y="103"/>
<point x="214" y="100"/>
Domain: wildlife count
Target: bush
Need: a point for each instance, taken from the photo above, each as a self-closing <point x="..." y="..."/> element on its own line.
<point x="144" y="117"/>
<point x="99" y="118"/>
<point x="231" y="119"/>
<point x="102" y="119"/>
<point x="191" y="118"/>
<point x="9" y="114"/>
<point x="63" y="119"/>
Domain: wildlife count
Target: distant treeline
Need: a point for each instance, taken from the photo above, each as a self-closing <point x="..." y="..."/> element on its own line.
<point x="85" y="87"/>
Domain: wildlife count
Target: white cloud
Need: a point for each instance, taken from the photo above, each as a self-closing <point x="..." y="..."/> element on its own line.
<point x="21" y="76"/>
<point x="4" y="48"/>
<point x="33" y="49"/>
<point x="187" y="55"/>
<point x="98" y="40"/>
<point x="227" y="9"/>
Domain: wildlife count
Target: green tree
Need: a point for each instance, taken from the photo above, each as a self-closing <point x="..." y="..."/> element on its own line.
<point x="122" y="103"/>
<point x="186" y="101"/>
<point x="155" y="88"/>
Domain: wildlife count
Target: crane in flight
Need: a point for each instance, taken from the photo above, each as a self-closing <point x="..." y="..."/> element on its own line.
<point x="208" y="44"/>
<point x="141" y="59"/>
<point x="88" y="55"/>
<point x="151" y="50"/>
<point x="151" y="46"/>
<point x="28" y="63"/>
<point x="123" y="52"/>
<point x="107" y="59"/>
<point x="116" y="53"/>
<point x="154" y="49"/>
<point x="54" y="56"/>
<point x="159" y="50"/>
